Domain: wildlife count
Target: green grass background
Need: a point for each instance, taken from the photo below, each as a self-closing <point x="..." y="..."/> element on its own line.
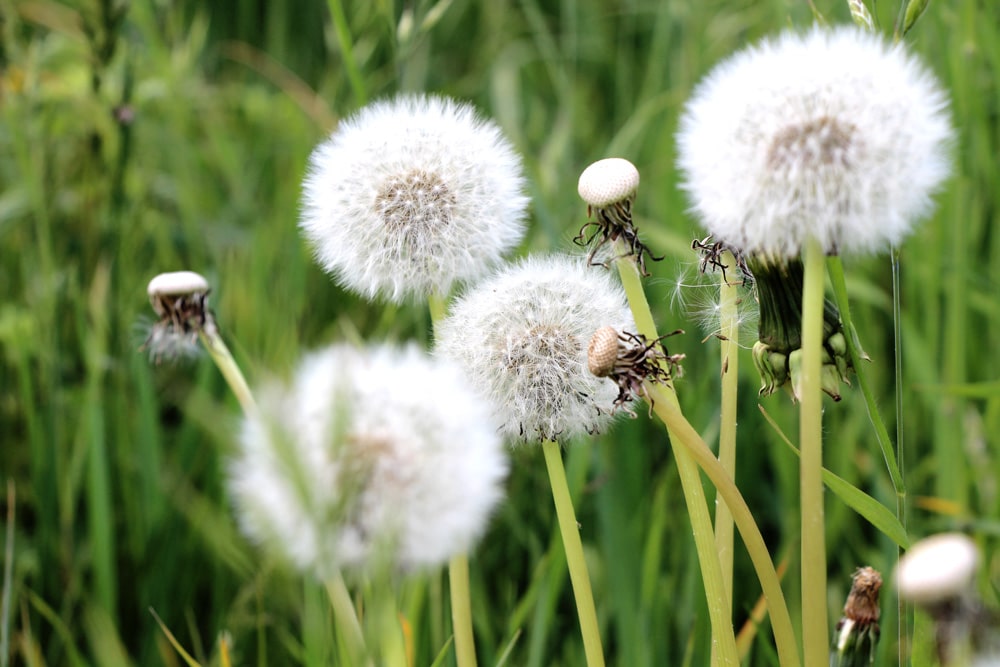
<point x="118" y="464"/>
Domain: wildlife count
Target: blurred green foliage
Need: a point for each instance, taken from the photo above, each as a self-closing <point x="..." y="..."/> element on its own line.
<point x="150" y="136"/>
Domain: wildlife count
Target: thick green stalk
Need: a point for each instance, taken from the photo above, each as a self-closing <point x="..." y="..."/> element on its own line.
<point x="575" y="561"/>
<point x="729" y="329"/>
<point x="666" y="406"/>
<point x="815" y="631"/>
<point x="458" y="568"/>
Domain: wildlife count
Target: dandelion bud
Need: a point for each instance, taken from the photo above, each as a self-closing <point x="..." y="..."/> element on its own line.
<point x="180" y="300"/>
<point x="777" y="354"/>
<point x="410" y="195"/>
<point x="857" y="631"/>
<point x="368" y="460"/>
<point x="522" y="336"/>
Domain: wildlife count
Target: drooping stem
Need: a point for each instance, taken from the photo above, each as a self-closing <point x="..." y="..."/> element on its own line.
<point x="682" y="431"/>
<point x="578" y="575"/>
<point x="719" y="605"/>
<point x="815" y="638"/>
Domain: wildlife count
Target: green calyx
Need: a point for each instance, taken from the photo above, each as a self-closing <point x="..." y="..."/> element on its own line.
<point x="777" y="353"/>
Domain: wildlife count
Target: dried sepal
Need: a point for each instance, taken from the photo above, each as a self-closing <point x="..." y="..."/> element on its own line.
<point x="630" y="360"/>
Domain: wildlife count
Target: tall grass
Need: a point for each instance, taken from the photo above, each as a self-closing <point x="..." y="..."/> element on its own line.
<point x="174" y="136"/>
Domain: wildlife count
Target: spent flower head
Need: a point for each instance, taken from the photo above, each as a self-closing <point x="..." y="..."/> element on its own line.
<point x="522" y="337"/>
<point x="412" y="194"/>
<point x="609" y="187"/>
<point x="831" y="134"/>
<point x="180" y="301"/>
<point x="630" y="361"/>
<point x="368" y="459"/>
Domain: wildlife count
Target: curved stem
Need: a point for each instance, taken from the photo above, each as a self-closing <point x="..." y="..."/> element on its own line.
<point x="815" y="633"/>
<point x="230" y="370"/>
<point x="666" y="406"/>
<point x="575" y="561"/>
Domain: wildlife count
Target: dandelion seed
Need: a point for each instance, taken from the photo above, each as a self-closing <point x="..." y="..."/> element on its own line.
<point x="368" y="459"/>
<point x="522" y="336"/>
<point x="411" y="195"/>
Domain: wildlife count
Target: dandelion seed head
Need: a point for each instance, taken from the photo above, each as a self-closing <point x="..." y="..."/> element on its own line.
<point x="412" y="194"/>
<point x="368" y="459"/>
<point x="522" y="336"/>
<point x="830" y="134"/>
<point x="180" y="301"/>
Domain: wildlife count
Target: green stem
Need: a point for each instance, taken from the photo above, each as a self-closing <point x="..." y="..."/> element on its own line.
<point x="458" y="568"/>
<point x="719" y="605"/>
<point x="729" y="350"/>
<point x="575" y="561"/>
<point x="666" y="406"/>
<point x="815" y="639"/>
<point x="347" y="619"/>
<point x="461" y="610"/>
<point x="230" y="370"/>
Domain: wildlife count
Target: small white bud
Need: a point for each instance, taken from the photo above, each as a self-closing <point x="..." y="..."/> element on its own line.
<point x="937" y="568"/>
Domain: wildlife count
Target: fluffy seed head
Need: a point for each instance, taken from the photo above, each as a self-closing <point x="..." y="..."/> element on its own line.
<point x="608" y="181"/>
<point x="831" y="134"/>
<point x="937" y="568"/>
<point x="410" y="195"/>
<point x="368" y="459"/>
<point x="522" y="337"/>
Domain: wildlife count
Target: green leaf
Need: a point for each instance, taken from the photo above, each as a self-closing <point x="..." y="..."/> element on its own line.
<point x="875" y="512"/>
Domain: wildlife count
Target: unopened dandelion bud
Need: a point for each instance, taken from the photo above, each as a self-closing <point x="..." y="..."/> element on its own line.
<point x="858" y="632"/>
<point x="602" y="352"/>
<point x="914" y="9"/>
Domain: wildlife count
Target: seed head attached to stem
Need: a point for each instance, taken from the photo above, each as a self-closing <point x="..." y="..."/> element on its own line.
<point x="180" y="300"/>
<point x="630" y="360"/>
<point x="609" y="186"/>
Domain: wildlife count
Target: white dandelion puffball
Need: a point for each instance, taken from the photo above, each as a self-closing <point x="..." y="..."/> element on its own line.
<point x="410" y="195"/>
<point x="368" y="459"/>
<point x="831" y="134"/>
<point x="937" y="568"/>
<point x="522" y="336"/>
